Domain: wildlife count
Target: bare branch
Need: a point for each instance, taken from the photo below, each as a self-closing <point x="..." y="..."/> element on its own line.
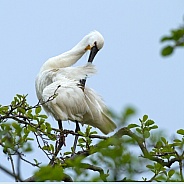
<point x="94" y="168"/>
<point x="57" y="148"/>
<point x="10" y="173"/>
<point x="48" y="100"/>
<point x="13" y="167"/>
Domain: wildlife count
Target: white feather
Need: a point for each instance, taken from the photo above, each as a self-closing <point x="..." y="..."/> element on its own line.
<point x="72" y="102"/>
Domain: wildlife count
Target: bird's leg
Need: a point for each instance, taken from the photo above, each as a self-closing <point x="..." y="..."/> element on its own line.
<point x="62" y="137"/>
<point x="60" y="125"/>
<point x="76" y="136"/>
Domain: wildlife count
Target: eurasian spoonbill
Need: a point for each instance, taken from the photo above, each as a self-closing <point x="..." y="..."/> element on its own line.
<point x="74" y="101"/>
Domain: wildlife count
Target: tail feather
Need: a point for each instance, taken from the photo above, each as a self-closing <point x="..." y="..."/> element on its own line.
<point x="107" y="125"/>
<point x="103" y="122"/>
<point x="96" y="115"/>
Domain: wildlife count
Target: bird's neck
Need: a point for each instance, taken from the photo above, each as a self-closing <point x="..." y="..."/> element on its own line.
<point x="66" y="59"/>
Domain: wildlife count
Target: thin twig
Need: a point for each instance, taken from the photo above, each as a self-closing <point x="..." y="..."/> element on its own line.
<point x="33" y="164"/>
<point x="58" y="148"/>
<point x="94" y="168"/>
<point x="39" y="146"/>
<point x="18" y="164"/>
<point x="12" y="165"/>
<point x="10" y="173"/>
<point x="180" y="164"/>
<point x="52" y="97"/>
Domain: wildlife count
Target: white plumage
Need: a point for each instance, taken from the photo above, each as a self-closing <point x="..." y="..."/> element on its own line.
<point x="73" y="101"/>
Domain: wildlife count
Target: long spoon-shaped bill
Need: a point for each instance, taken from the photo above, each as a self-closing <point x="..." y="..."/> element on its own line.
<point x="93" y="53"/>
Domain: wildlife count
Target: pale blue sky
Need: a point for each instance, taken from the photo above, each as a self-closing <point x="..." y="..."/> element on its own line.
<point x="130" y="68"/>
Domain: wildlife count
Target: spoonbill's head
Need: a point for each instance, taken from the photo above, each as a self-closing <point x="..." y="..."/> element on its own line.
<point x="95" y="42"/>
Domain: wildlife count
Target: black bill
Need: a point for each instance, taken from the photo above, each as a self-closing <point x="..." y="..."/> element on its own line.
<point x="93" y="53"/>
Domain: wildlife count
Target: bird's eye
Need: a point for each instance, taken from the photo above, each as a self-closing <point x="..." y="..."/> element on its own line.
<point x="95" y="45"/>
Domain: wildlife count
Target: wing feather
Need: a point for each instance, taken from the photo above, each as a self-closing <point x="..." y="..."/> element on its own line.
<point x="69" y="103"/>
<point x="72" y="102"/>
<point x="76" y="73"/>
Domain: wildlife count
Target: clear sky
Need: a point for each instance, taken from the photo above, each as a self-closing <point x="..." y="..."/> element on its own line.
<point x="130" y="68"/>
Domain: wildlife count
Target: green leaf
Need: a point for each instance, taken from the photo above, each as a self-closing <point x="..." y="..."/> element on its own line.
<point x="29" y="139"/>
<point x="128" y="112"/>
<point x="150" y="166"/>
<point x="164" y="140"/>
<point x="177" y="140"/>
<point x="160" y="178"/>
<point x="177" y="34"/>
<point x="49" y="173"/>
<point x="18" y="128"/>
<point x="52" y="148"/>
<point x="139" y="130"/>
<point x="38" y="110"/>
<point x="49" y="128"/>
<point x="43" y="116"/>
<point x="26" y="131"/>
<point x="42" y="127"/>
<point x="146" y="134"/>
<point x="145" y="117"/>
<point x="22" y="110"/>
<point x="171" y="172"/>
<point x="19" y="96"/>
<point x="46" y="148"/>
<point x="52" y="137"/>
<point x="81" y="140"/>
<point x="31" y="128"/>
<point x="149" y="122"/>
<point x="36" y="161"/>
<point x="159" y="144"/>
<point x="166" y="38"/>
<point x="180" y="131"/>
<point x="3" y="109"/>
<point x="93" y="132"/>
<point x="132" y="126"/>
<point x="88" y="130"/>
<point x="40" y="121"/>
<point x="168" y="50"/>
<point x="28" y="148"/>
<point x="67" y="153"/>
<point x="153" y="127"/>
<point x="29" y="114"/>
<point x="159" y="167"/>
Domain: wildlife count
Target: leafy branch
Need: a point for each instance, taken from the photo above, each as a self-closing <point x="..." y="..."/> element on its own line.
<point x="19" y="121"/>
<point x="176" y="37"/>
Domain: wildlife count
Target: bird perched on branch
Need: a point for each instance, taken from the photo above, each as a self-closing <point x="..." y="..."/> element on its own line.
<point x="73" y="100"/>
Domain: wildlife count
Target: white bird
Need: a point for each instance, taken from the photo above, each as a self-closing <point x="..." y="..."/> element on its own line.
<point x="73" y="100"/>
